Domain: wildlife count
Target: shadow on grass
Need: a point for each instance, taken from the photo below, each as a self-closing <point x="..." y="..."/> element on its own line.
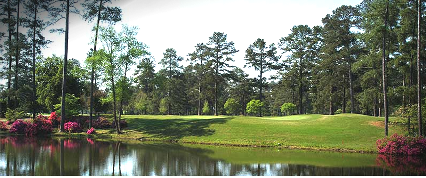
<point x="175" y="128"/>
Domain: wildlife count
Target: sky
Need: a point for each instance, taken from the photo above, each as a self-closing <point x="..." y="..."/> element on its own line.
<point x="181" y="24"/>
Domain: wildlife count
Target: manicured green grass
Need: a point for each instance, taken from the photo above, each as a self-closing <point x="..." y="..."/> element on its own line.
<point x="342" y="132"/>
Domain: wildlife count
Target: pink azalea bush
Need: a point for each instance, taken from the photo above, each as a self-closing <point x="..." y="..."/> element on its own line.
<point x="44" y="125"/>
<point x="72" y="127"/>
<point x="400" y="145"/>
<point x="18" y="127"/>
<point x="91" y="131"/>
<point x="54" y="119"/>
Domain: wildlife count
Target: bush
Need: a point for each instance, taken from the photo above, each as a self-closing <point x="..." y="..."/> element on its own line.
<point x="101" y="123"/>
<point x="54" y="119"/>
<point x="91" y="131"/>
<point x="254" y="106"/>
<point x="231" y="106"/>
<point x="288" y="108"/>
<point x="400" y="145"/>
<point x="206" y="108"/>
<point x="13" y="115"/>
<point x="18" y="127"/>
<point x="3" y="126"/>
<point x="339" y="111"/>
<point x="72" y="127"/>
<point x="44" y="125"/>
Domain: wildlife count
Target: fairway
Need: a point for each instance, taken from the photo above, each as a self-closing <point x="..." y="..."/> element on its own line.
<point x="343" y="132"/>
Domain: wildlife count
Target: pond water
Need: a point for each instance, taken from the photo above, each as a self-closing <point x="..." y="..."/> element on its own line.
<point x="48" y="157"/>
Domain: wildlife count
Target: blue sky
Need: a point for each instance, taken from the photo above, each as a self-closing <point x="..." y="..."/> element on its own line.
<point x="181" y="24"/>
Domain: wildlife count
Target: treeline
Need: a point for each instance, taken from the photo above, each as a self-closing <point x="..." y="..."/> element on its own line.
<point x="336" y="67"/>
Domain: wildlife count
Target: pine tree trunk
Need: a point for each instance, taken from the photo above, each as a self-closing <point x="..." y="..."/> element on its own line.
<point x="34" y="58"/>
<point x="17" y="55"/>
<point x="92" y="74"/>
<point x="65" y="65"/>
<point x="261" y="84"/>
<point x="419" y="82"/>
<point x="215" y="91"/>
<point x="344" y="96"/>
<point x="9" y="75"/>
<point x="351" y="89"/>
<point x="385" y="103"/>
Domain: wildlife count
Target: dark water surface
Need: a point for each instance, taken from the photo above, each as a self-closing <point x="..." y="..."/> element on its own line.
<point x="48" y="157"/>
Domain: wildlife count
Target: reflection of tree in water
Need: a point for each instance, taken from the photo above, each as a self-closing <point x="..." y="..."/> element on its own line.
<point x="24" y="156"/>
<point x="403" y="165"/>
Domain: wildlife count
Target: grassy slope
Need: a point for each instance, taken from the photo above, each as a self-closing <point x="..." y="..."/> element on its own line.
<point x="340" y="132"/>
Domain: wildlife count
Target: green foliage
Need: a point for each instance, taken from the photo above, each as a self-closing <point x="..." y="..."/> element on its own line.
<point x="288" y="108"/>
<point x="232" y="106"/>
<point x="339" y="111"/>
<point x="72" y="104"/>
<point x="13" y="114"/>
<point x="254" y="106"/>
<point x="164" y="103"/>
<point x="206" y="108"/>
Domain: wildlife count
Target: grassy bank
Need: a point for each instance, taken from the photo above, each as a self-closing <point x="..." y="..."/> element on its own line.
<point x="343" y="132"/>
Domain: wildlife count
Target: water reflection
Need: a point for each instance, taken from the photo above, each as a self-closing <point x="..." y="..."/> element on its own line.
<point x="43" y="157"/>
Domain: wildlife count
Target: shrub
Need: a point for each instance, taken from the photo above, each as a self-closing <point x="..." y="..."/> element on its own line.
<point x="254" y="106"/>
<point x="31" y="129"/>
<point x="54" y="119"/>
<point x="339" y="111"/>
<point x="72" y="127"/>
<point x="3" y="126"/>
<point x="101" y="123"/>
<point x="206" y="108"/>
<point x="400" y="145"/>
<point x="288" y="108"/>
<point x="13" y="115"/>
<point x="18" y="127"/>
<point x="44" y="124"/>
<point x="91" y="131"/>
<point x="123" y="123"/>
<point x="231" y="106"/>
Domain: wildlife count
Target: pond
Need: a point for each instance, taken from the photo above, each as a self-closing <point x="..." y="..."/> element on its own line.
<point x="21" y="156"/>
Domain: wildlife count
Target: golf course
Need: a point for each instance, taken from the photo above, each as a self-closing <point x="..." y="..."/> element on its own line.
<point x="342" y="132"/>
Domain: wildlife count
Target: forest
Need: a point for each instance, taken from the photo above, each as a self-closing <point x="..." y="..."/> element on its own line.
<point x="366" y="59"/>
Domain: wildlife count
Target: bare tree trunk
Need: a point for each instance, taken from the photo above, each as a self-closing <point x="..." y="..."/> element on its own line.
<point x="117" y="124"/>
<point x="419" y="82"/>
<point x="9" y="75"/>
<point x="34" y="58"/>
<point x="385" y="103"/>
<point x="64" y="71"/>
<point x="344" y="96"/>
<point x="215" y="92"/>
<point x="331" y="111"/>
<point x="17" y="55"/>
<point x="92" y="74"/>
<point x="261" y="84"/>
<point x="351" y="89"/>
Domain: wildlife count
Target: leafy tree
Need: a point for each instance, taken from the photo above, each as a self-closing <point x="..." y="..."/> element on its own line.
<point x="232" y="106"/>
<point x="111" y="15"/>
<point x="288" y="108"/>
<point x="220" y="52"/>
<point x="164" y="105"/>
<point x="73" y="106"/>
<point x="206" y="108"/>
<point x="241" y="88"/>
<point x="111" y="65"/>
<point x="253" y="107"/>
<point x="256" y="57"/>
<point x="48" y="78"/>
